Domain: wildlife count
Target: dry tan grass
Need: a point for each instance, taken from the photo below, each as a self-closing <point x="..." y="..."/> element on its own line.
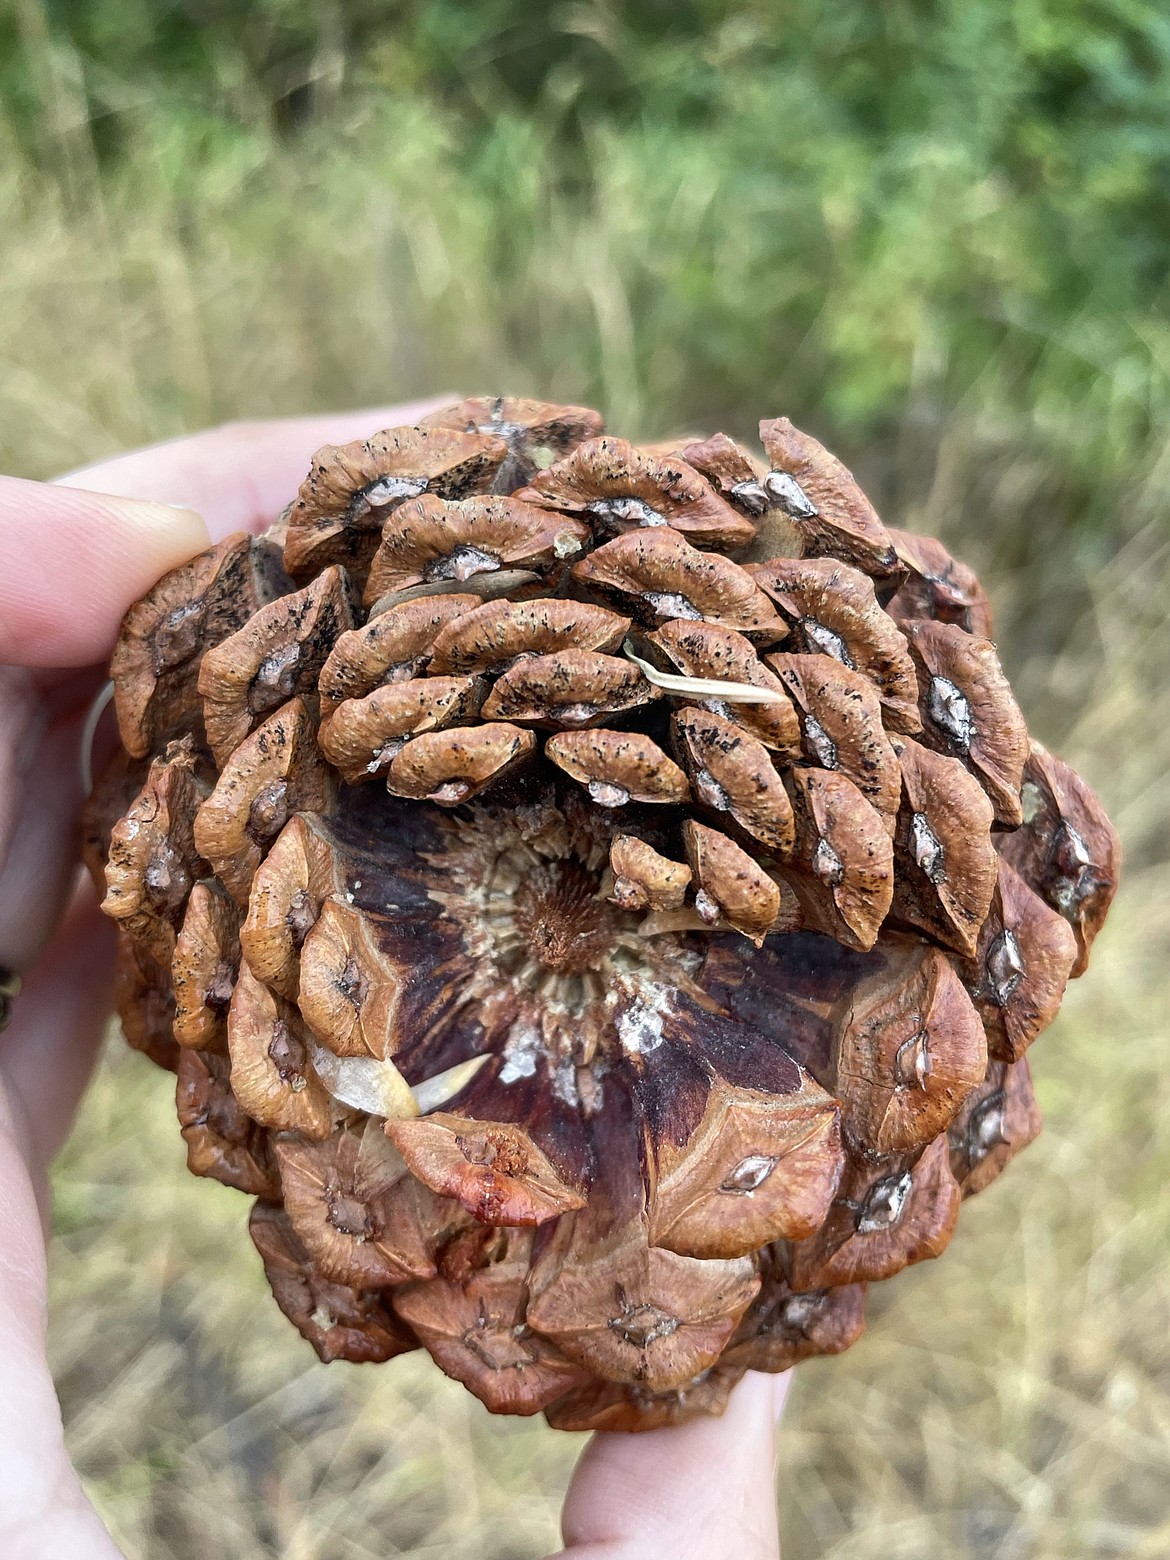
<point x="1011" y="1401"/>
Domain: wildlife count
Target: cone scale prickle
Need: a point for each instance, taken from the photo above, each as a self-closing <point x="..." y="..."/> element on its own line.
<point x="595" y="899"/>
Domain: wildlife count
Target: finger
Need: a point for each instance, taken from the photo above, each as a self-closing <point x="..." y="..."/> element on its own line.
<point x="44" y="1514"/>
<point x="22" y="724"/>
<point x="242" y="475"/>
<point x="73" y="562"/>
<point x="47" y="1054"/>
<point x="78" y="552"/>
<point x="38" y="841"/>
<point x="701" y="1491"/>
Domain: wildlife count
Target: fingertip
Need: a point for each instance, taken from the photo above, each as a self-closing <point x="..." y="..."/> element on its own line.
<point x="704" y="1489"/>
<point x="74" y="561"/>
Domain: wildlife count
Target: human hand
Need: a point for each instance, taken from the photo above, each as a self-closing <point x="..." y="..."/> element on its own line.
<point x="75" y="555"/>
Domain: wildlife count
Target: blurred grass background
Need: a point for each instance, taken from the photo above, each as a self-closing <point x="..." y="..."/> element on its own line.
<point x="935" y="234"/>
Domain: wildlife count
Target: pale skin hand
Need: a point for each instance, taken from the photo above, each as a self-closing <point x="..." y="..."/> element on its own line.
<point x="73" y="556"/>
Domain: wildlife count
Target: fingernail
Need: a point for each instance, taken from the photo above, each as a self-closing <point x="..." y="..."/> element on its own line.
<point x="780" y="1388"/>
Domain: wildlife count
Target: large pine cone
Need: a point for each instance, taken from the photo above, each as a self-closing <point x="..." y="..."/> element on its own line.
<point x="599" y="958"/>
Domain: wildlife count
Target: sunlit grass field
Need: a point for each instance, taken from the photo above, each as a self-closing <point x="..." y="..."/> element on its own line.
<point x="208" y="262"/>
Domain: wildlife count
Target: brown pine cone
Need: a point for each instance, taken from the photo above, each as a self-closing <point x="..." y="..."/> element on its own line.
<point x="598" y="956"/>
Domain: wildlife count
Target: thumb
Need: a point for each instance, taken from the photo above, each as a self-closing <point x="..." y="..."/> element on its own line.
<point x="74" y="562"/>
<point x="700" y="1491"/>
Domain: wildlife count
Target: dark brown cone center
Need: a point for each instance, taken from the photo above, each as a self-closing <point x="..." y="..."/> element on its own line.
<point x="566" y="926"/>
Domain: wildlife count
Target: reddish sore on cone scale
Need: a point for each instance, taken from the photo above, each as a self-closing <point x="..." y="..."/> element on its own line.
<point x="596" y="899"/>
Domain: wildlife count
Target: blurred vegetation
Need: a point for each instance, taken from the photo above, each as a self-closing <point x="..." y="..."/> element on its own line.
<point x="932" y="231"/>
<point x="684" y="210"/>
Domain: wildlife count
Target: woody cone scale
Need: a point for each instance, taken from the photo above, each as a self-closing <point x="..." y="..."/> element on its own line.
<point x="595" y="899"/>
